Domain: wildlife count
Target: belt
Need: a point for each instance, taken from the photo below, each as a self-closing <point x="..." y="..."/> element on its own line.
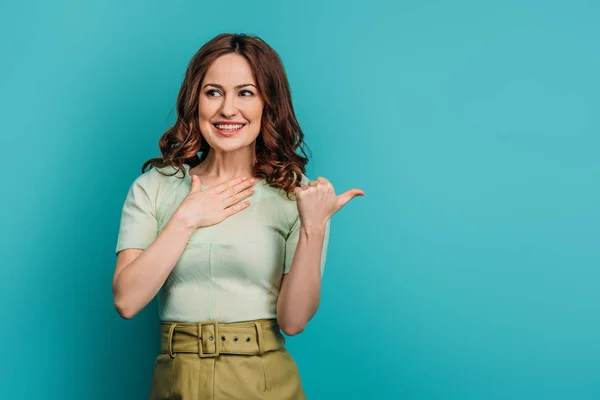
<point x="211" y="338"/>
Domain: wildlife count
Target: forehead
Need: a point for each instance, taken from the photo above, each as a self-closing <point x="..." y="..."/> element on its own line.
<point x="230" y="70"/>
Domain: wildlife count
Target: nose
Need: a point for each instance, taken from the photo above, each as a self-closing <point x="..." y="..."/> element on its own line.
<point x="228" y="108"/>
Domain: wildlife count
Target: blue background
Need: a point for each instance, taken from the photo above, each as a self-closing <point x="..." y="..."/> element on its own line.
<point x="470" y="268"/>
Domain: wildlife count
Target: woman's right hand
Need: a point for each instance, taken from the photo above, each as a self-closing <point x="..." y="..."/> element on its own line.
<point x="208" y="207"/>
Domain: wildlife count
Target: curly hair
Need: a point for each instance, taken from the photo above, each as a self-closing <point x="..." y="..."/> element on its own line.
<point x="280" y="134"/>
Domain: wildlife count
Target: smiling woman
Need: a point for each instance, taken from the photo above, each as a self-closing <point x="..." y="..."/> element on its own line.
<point x="226" y="108"/>
<point x="237" y="79"/>
<point x="234" y="258"/>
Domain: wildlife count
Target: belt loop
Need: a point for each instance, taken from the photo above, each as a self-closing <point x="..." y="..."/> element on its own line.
<point x="171" y="329"/>
<point x="259" y="338"/>
<point x="200" y="338"/>
<point x="261" y="350"/>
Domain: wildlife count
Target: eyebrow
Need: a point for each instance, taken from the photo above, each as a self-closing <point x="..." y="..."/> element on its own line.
<point x="221" y="87"/>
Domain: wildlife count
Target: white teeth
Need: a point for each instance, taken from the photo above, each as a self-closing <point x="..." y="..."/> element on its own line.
<point x="229" y="127"/>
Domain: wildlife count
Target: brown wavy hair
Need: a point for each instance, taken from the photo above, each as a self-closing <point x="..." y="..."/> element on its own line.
<point x="280" y="135"/>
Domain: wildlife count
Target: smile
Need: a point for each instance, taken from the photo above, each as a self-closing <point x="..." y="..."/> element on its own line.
<point x="229" y="129"/>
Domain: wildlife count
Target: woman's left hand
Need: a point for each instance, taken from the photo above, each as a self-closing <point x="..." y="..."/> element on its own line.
<point x="317" y="202"/>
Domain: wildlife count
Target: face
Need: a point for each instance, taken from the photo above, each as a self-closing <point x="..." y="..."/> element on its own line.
<point x="230" y="106"/>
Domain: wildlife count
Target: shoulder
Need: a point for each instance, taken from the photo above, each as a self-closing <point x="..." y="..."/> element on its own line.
<point x="153" y="176"/>
<point x="291" y="199"/>
<point x="304" y="179"/>
<point x="287" y="205"/>
<point x="157" y="180"/>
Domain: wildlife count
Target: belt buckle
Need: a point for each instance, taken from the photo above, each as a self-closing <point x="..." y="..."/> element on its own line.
<point x="215" y="336"/>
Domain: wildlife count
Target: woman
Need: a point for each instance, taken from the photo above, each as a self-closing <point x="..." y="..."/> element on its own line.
<point x="233" y="242"/>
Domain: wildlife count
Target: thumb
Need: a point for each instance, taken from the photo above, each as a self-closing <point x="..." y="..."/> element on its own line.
<point x="195" y="184"/>
<point x="345" y="197"/>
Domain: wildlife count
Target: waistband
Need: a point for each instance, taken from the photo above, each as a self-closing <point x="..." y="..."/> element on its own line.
<point x="211" y="338"/>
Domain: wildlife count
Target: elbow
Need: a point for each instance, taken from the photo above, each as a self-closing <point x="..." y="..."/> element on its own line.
<point x="124" y="310"/>
<point x="122" y="305"/>
<point x="292" y="330"/>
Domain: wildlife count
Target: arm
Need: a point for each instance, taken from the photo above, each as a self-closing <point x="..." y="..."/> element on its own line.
<point x="300" y="292"/>
<point x="139" y="274"/>
<point x="144" y="258"/>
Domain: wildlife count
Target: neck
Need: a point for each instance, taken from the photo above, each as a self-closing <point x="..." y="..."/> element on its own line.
<point x="225" y="165"/>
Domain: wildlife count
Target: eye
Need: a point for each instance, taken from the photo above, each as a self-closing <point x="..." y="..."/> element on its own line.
<point x="209" y="92"/>
<point x="247" y="91"/>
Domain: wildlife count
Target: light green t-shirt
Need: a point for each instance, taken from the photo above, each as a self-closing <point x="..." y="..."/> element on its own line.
<point x="228" y="272"/>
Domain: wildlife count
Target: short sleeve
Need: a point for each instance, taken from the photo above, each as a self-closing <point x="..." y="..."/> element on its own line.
<point x="292" y="242"/>
<point x="138" y="227"/>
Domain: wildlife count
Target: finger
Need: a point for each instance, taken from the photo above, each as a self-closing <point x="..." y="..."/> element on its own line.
<point x="322" y="180"/>
<point x="229" y="194"/>
<point x="238" y="187"/>
<point x="239" y="196"/>
<point x="229" y="211"/>
<point x="313" y="183"/>
<point x="195" y="184"/>
<point x="345" y="197"/>
<point x="221" y="187"/>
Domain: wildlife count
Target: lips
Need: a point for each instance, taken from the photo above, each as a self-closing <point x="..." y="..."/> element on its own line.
<point x="229" y="129"/>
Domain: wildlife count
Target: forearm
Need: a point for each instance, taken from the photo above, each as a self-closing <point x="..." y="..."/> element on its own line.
<point x="300" y="292"/>
<point x="142" y="278"/>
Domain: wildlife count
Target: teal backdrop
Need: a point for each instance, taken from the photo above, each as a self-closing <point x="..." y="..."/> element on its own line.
<point x="470" y="269"/>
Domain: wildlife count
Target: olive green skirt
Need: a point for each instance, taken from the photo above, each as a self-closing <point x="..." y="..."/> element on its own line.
<point x="210" y="360"/>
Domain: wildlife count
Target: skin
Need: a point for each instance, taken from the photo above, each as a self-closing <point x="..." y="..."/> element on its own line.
<point x="227" y="172"/>
<point x="300" y="293"/>
<point x="229" y="157"/>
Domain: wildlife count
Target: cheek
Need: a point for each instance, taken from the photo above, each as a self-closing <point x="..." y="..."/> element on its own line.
<point x="255" y="111"/>
<point x="206" y="109"/>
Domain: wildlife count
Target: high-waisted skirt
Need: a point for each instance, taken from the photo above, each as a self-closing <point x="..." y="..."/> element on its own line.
<point x="217" y="361"/>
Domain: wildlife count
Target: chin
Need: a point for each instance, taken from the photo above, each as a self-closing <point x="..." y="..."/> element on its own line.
<point x="229" y="145"/>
